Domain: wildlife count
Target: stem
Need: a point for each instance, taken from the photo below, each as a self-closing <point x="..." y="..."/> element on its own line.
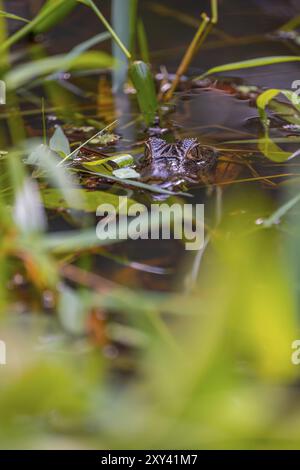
<point x="44" y="122"/>
<point x="28" y="27"/>
<point x="204" y="29"/>
<point x="109" y="28"/>
<point x="214" y="11"/>
<point x="86" y="142"/>
<point x="189" y="55"/>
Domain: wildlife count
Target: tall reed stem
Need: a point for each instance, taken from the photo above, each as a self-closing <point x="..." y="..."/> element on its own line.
<point x="204" y="29"/>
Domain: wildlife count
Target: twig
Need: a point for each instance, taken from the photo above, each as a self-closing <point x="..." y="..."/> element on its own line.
<point x="102" y="18"/>
<point x="205" y="27"/>
<point x="86" y="142"/>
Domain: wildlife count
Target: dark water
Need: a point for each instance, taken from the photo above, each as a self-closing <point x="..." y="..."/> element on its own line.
<point x="214" y="114"/>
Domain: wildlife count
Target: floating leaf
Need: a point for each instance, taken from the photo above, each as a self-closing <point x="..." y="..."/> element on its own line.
<point x="80" y="199"/>
<point x="123" y="160"/>
<point x="105" y="139"/>
<point x="120" y="160"/>
<point x="126" y="173"/>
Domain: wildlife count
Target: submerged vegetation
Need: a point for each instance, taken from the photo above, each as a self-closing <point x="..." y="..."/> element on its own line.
<point x="139" y="343"/>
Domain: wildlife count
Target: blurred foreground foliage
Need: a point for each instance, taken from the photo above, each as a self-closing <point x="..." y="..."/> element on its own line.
<point x="216" y="373"/>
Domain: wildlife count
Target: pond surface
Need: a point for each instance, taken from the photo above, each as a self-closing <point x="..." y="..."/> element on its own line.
<point x="142" y="343"/>
<point x="220" y="111"/>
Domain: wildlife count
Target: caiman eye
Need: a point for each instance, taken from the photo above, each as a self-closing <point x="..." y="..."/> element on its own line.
<point x="194" y="153"/>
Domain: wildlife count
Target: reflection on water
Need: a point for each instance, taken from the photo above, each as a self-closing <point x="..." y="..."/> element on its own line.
<point x="215" y="114"/>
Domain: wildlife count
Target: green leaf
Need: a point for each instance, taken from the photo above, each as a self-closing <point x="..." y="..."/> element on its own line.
<point x="27" y="72"/>
<point x="263" y="100"/>
<point x="13" y="17"/>
<point x="266" y="145"/>
<point x="120" y="160"/>
<point x="85" y="45"/>
<point x="139" y="184"/>
<point x="54" y="17"/>
<point x="59" y="142"/>
<point x="142" y="80"/>
<point x="72" y="311"/>
<point x="28" y="211"/>
<point x="267" y="96"/>
<point x="143" y="41"/>
<point x="259" y="62"/>
<point x="72" y="241"/>
<point x="81" y="48"/>
<point x="126" y="173"/>
<point x="280" y="212"/>
<point x="272" y="151"/>
<point x="47" y="161"/>
<point x="80" y="199"/>
<point x="283" y="140"/>
<point x="43" y="14"/>
<point x="106" y="24"/>
<point x="123" y="160"/>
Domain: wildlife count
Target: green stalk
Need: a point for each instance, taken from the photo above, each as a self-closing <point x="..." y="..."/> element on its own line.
<point x="139" y="72"/>
<point x="143" y="42"/>
<point x="142" y="80"/>
<point x="132" y="25"/>
<point x="214" y="11"/>
<point x="201" y="34"/>
<point x="189" y="55"/>
<point x="102" y="18"/>
<point x="44" y="122"/>
<point x="28" y="28"/>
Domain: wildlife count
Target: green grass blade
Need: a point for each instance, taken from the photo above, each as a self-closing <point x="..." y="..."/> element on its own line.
<point x="272" y="151"/>
<point x="59" y="13"/>
<point x="29" y="27"/>
<point x="121" y="25"/>
<point x="85" y="45"/>
<point x="11" y="16"/>
<point x="280" y="212"/>
<point x="142" y="80"/>
<point x="46" y="161"/>
<point x="259" y="62"/>
<point x="87" y="141"/>
<point x="266" y="145"/>
<point x="133" y="10"/>
<point x="25" y="73"/>
<point x="104" y="21"/>
<point x="143" y="41"/>
<point x="139" y="184"/>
